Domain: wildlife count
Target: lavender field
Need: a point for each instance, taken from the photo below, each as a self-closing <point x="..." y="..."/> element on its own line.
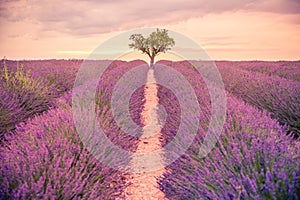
<point x="257" y="155"/>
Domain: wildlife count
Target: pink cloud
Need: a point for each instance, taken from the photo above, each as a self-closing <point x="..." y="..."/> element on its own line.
<point x="93" y="17"/>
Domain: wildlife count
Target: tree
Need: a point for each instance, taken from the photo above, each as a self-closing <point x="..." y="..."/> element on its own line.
<point x="157" y="42"/>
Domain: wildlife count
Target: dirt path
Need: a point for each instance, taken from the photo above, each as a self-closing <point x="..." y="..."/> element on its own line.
<point x="143" y="185"/>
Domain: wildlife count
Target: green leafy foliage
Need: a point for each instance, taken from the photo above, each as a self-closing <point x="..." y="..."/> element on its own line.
<point x="157" y="42"/>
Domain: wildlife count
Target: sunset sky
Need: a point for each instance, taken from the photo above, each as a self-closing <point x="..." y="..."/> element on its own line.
<point x="226" y="30"/>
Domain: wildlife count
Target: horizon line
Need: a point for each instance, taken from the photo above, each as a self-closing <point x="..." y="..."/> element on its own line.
<point x="218" y="60"/>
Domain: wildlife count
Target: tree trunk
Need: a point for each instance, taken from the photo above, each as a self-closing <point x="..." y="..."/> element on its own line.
<point x="151" y="61"/>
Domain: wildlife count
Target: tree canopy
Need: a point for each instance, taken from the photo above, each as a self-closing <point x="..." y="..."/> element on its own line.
<point x="157" y="42"/>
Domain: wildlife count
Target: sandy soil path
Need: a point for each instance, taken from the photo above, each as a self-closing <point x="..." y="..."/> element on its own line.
<point x="143" y="185"/>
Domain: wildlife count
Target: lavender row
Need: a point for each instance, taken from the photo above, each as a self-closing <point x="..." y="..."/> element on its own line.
<point x="286" y="69"/>
<point x="167" y="98"/>
<point x="29" y="87"/>
<point x="21" y="97"/>
<point x="59" y="75"/>
<point x="253" y="158"/>
<point x="107" y="84"/>
<point x="278" y="96"/>
<point x="46" y="158"/>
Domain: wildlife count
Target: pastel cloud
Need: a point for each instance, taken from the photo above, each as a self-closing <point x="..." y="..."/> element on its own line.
<point x="231" y="29"/>
<point x="93" y="17"/>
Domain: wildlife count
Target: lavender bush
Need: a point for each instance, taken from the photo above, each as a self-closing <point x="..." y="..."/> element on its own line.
<point x="45" y="158"/>
<point x="58" y="75"/>
<point x="103" y="99"/>
<point x="285" y="69"/>
<point x="253" y="158"/>
<point x="278" y="96"/>
<point x="21" y="97"/>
